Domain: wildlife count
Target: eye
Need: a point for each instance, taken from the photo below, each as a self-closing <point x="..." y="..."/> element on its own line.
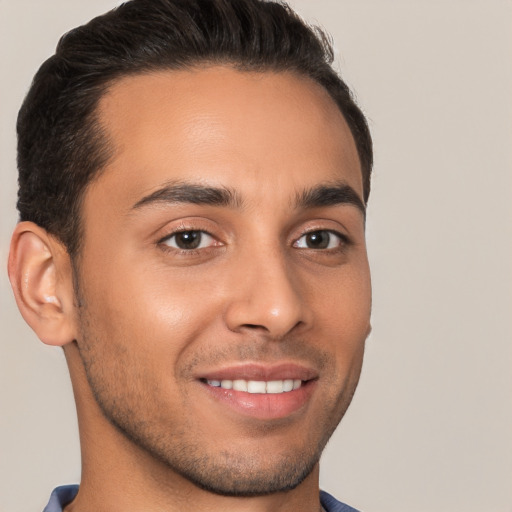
<point x="189" y="240"/>
<point x="321" y="239"/>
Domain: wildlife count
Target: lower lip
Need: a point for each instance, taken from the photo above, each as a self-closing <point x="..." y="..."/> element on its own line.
<point x="264" y="406"/>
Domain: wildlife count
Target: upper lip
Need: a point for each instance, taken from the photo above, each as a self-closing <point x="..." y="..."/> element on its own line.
<point x="261" y="372"/>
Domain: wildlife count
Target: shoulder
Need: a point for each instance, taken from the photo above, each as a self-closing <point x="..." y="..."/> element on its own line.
<point x="331" y="504"/>
<point x="60" y="497"/>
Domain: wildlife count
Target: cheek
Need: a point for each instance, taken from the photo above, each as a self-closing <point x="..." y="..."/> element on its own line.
<point x="346" y="300"/>
<point x="153" y="313"/>
<point x="343" y="309"/>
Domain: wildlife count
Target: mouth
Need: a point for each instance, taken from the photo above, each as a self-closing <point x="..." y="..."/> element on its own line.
<point x="261" y="392"/>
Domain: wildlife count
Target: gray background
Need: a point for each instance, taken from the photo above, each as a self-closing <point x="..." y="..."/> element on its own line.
<point x="431" y="424"/>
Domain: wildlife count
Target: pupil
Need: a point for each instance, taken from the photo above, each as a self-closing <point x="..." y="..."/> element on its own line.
<point x="318" y="240"/>
<point x="188" y="239"/>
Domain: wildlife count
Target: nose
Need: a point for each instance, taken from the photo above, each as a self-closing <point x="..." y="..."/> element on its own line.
<point x="267" y="297"/>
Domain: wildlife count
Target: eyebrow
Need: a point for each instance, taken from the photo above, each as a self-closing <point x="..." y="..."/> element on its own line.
<point x="330" y="194"/>
<point x="193" y="194"/>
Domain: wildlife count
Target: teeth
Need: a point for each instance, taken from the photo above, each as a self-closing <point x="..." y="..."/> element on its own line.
<point x="226" y="384"/>
<point x="287" y="385"/>
<point x="240" y="385"/>
<point x="258" y="386"/>
<point x="275" y="386"/>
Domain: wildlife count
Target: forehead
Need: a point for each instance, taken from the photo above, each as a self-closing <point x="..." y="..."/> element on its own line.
<point x="218" y="125"/>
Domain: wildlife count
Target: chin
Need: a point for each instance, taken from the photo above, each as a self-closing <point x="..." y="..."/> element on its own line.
<point x="241" y="478"/>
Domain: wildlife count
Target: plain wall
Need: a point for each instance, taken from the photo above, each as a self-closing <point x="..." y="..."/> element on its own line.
<point x="430" y="427"/>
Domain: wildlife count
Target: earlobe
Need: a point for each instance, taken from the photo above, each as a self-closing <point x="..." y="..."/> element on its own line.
<point x="41" y="277"/>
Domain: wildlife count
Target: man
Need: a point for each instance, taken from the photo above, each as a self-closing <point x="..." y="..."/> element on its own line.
<point x="193" y="182"/>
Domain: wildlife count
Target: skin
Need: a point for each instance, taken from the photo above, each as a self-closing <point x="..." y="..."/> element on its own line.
<point x="149" y="319"/>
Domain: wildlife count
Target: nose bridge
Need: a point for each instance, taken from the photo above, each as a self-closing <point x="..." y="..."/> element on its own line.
<point x="266" y="293"/>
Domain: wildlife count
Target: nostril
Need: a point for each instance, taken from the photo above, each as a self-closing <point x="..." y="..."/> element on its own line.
<point x="255" y="326"/>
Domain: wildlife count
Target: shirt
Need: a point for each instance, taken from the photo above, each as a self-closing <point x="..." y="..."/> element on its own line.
<point x="65" y="494"/>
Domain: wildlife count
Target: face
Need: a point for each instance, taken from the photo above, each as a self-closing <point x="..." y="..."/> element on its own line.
<point x="223" y="280"/>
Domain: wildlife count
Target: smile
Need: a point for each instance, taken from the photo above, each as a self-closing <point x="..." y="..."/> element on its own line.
<point x="257" y="386"/>
<point x="260" y="391"/>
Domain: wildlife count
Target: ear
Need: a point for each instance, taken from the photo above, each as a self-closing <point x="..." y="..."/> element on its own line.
<point x="41" y="277"/>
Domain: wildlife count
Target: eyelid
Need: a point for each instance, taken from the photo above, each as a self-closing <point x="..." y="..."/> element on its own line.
<point x="184" y="224"/>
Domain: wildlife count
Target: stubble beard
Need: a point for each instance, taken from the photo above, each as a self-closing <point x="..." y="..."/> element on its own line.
<point x="228" y="472"/>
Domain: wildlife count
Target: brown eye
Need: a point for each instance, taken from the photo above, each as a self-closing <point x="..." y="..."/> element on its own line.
<point x="189" y="240"/>
<point x="318" y="240"/>
<point x="321" y="239"/>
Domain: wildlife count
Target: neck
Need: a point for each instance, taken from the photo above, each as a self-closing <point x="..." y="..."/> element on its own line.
<point x="118" y="475"/>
